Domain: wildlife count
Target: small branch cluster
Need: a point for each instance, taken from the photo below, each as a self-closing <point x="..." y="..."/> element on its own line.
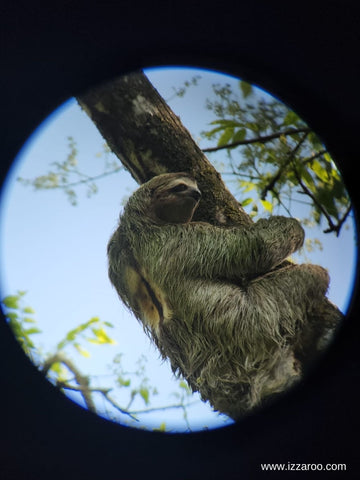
<point x="83" y="387"/>
<point x="333" y="227"/>
<point x="260" y="139"/>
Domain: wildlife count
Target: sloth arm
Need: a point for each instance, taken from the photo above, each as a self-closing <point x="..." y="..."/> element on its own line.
<point x="199" y="249"/>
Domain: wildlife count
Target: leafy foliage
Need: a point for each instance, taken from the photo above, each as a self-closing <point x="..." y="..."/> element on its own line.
<point x="180" y="91"/>
<point x="22" y="323"/>
<point x="128" y="390"/>
<point x="275" y="156"/>
<point x="67" y="175"/>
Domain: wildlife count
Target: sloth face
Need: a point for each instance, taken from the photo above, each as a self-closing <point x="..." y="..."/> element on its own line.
<point x="175" y="200"/>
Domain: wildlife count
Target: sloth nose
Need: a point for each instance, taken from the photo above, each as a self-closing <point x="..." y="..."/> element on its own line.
<point x="196" y="194"/>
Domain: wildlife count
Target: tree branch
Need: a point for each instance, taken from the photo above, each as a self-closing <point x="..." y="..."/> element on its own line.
<point x="156" y="409"/>
<point x="150" y="139"/>
<point x="81" y="380"/>
<point x="314" y="156"/>
<point x="282" y="168"/>
<point x="332" y="227"/>
<point x="264" y="139"/>
<point x="340" y="222"/>
<point x="65" y="186"/>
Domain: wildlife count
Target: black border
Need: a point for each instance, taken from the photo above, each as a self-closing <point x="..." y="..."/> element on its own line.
<point x="306" y="54"/>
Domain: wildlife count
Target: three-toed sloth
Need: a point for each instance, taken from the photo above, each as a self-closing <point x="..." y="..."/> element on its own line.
<point x="218" y="302"/>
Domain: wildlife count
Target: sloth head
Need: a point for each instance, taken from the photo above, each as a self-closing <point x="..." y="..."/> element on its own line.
<point x="174" y="198"/>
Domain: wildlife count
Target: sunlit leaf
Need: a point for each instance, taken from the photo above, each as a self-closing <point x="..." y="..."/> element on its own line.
<point x="239" y="135"/>
<point x="246" y="202"/>
<point x="29" y="320"/>
<point x="247" y="186"/>
<point x="93" y="320"/>
<point x="101" y="337"/>
<point x="319" y="171"/>
<point x="144" y="393"/>
<point x="162" y="427"/>
<point x="33" y="330"/>
<point x="290" y="118"/>
<point x="28" y="310"/>
<point x="12" y="316"/>
<point x="326" y="199"/>
<point x="124" y="383"/>
<point x="268" y="206"/>
<point x="185" y="387"/>
<point x="82" y="351"/>
<point x="226" y="136"/>
<point x="11" y="301"/>
<point x="246" y="88"/>
<point x="60" y="371"/>
<point x="315" y="140"/>
<point x="308" y="179"/>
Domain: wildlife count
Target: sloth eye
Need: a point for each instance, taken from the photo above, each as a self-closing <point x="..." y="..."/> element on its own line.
<point x="179" y="188"/>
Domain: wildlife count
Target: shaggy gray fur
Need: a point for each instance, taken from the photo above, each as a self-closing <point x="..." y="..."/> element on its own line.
<point x="229" y="319"/>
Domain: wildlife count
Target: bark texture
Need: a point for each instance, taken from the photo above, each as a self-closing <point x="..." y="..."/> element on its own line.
<point x="149" y="139"/>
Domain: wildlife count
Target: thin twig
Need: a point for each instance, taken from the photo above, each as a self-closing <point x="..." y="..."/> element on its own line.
<point x="282" y="168"/>
<point x="154" y="409"/>
<point x="340" y="223"/>
<point x="314" y="156"/>
<point x="264" y="139"/>
<point x="306" y="191"/>
<point x="103" y="391"/>
<point x="81" y="380"/>
<point x="75" y="183"/>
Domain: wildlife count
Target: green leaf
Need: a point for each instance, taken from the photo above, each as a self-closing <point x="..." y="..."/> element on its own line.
<point x="92" y="320"/>
<point x="247" y="186"/>
<point x="239" y="135"/>
<point x="124" y="383"/>
<point x="29" y="343"/>
<point x="31" y="331"/>
<point x="29" y="320"/>
<point x="328" y="158"/>
<point x="319" y="171"/>
<point x="162" y="427"/>
<point x="290" y="118"/>
<point x="101" y="337"/>
<point x="82" y="351"/>
<point x="246" y="88"/>
<point x="224" y="122"/>
<point x="28" y="310"/>
<point x="11" y="301"/>
<point x="226" y="136"/>
<point x="315" y="140"/>
<point x="306" y="177"/>
<point x="185" y="387"/>
<point x="246" y="202"/>
<point x="12" y="316"/>
<point x="268" y="206"/>
<point x="71" y="335"/>
<point x="56" y="368"/>
<point x="144" y="393"/>
<point x="212" y="132"/>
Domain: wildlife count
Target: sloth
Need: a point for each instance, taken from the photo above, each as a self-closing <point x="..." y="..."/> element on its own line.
<point x="222" y="304"/>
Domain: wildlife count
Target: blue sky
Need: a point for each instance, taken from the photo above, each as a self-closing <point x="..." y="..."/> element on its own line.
<point x="57" y="252"/>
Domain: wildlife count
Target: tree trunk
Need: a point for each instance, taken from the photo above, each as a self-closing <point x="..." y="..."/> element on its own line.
<point x="149" y="139"/>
